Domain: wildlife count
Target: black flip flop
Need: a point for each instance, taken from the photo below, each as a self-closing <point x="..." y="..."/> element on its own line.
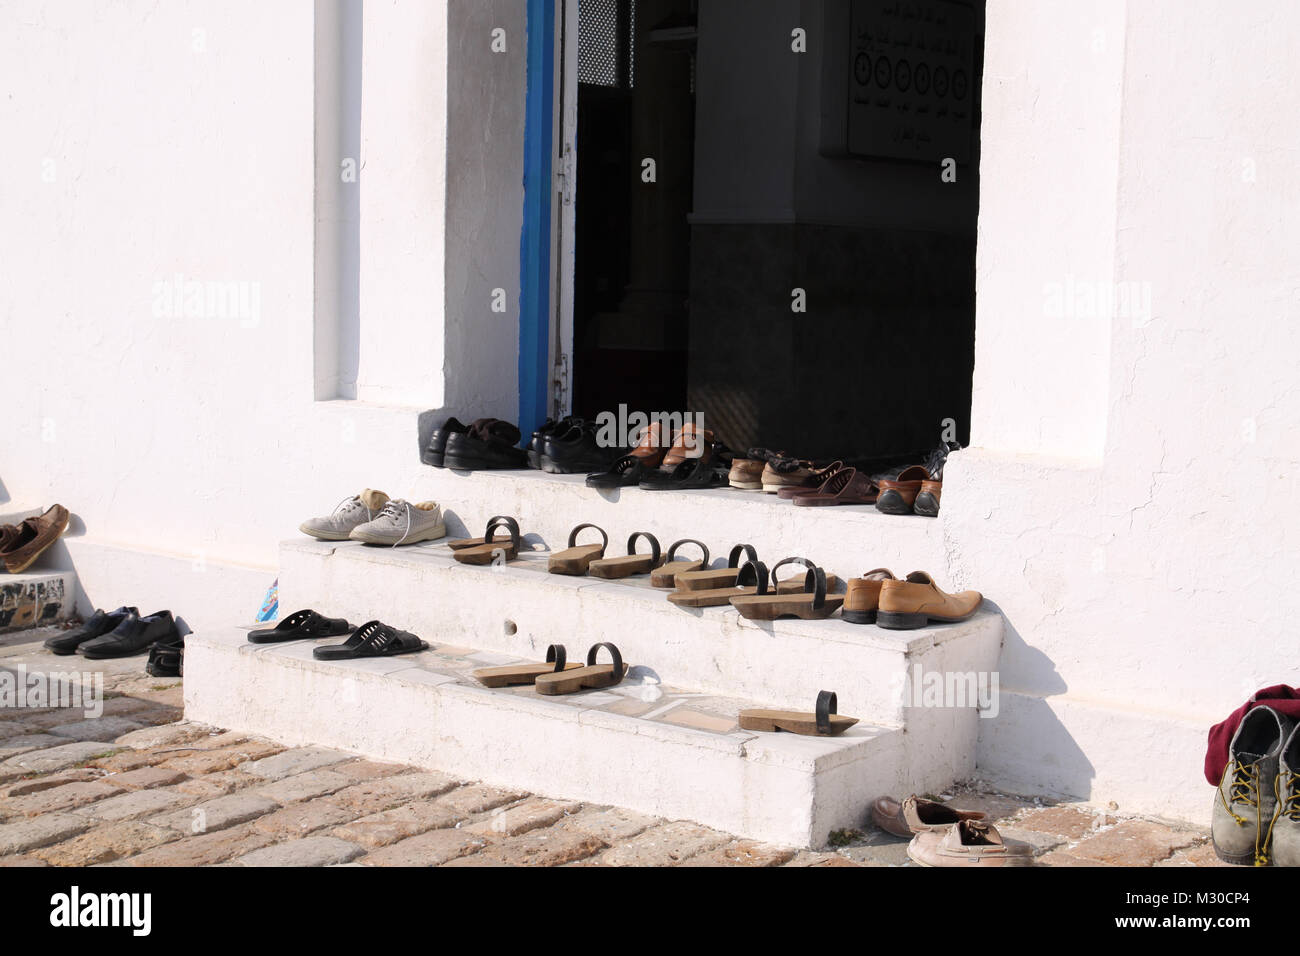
<point x="372" y="639"/>
<point x="299" y="625"/>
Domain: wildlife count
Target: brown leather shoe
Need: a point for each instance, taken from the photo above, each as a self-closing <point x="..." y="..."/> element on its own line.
<point x="917" y="600"/>
<point x="7" y="534"/>
<point x="916" y="814"/>
<point x="927" y="501"/>
<point x="746" y="474"/>
<point x="689" y="443"/>
<point x="898" y="495"/>
<point x="862" y="597"/>
<point x="34" y="536"/>
<point x="968" y="843"/>
<point x="650" y="450"/>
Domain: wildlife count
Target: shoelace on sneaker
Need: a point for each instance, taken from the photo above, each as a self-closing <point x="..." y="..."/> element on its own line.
<point x="350" y="504"/>
<point x="395" y="510"/>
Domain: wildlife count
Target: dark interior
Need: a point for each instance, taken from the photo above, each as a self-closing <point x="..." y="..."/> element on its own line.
<point x="824" y="164"/>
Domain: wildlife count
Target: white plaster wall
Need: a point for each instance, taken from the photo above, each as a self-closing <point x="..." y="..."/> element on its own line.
<point x="1149" y="586"/>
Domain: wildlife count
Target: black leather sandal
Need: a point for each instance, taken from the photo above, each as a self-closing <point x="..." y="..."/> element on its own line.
<point x="372" y="639"/>
<point x="300" y="625"/>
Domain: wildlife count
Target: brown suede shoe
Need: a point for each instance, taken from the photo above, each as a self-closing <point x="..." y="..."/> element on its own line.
<point x="811" y="483"/>
<point x="862" y="596"/>
<point x="689" y="443"/>
<point x="34" y="536"/>
<point x="917" y="600"/>
<point x="746" y="474"/>
<point x="916" y="814"/>
<point x="967" y="843"/>
<point x="7" y="534"/>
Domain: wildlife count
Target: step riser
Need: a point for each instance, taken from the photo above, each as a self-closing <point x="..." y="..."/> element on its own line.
<point x="36" y="598"/>
<point x="714" y="650"/>
<point x="739" y="783"/>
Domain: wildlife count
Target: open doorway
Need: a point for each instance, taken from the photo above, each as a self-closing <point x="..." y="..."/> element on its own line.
<point x="775" y="218"/>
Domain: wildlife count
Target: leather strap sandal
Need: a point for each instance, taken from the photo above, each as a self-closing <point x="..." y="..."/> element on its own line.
<point x="665" y="575"/>
<point x="372" y="639"/>
<point x="513" y="674"/>
<point x="713" y="578"/>
<point x="822" y="722"/>
<point x="631" y="563"/>
<point x="848" y="486"/>
<point x="813" y="483"/>
<point x="898" y="495"/>
<point x="813" y="604"/>
<point x="491" y="547"/>
<point x="576" y="557"/>
<point x="593" y="675"/>
<point x="690" y="475"/>
<point x="300" y="625"/>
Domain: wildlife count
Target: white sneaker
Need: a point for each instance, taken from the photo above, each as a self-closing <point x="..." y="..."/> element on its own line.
<point x="401" y="522"/>
<point x="351" y="512"/>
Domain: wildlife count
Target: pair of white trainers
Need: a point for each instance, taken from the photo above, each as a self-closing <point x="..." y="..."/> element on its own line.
<point x="374" y="518"/>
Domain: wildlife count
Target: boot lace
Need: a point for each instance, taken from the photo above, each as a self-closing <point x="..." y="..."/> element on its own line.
<point x="1245" y="790"/>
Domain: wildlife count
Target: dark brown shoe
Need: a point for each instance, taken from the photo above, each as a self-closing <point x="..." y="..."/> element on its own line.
<point x="34" y="536"/>
<point x="7" y="534"/>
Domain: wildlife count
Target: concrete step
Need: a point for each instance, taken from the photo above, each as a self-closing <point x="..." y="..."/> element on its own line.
<point x="519" y="609"/>
<point x="649" y="746"/>
<point x="36" y="598"/>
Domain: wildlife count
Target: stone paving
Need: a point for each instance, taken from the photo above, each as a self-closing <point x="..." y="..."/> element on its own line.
<point x="140" y="786"/>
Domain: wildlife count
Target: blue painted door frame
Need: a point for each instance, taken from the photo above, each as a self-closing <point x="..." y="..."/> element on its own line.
<point x="535" y="239"/>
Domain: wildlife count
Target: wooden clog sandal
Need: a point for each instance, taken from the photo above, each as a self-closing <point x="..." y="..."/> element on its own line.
<point x="461" y="544"/>
<point x="713" y="578"/>
<point x="665" y="575"/>
<point x="525" y="673"/>
<point x="754" y="578"/>
<point x="575" y="558"/>
<point x="486" y="552"/>
<point x="823" y="722"/>
<point x="593" y="675"/>
<point x="631" y="563"/>
<point x="813" y="604"/>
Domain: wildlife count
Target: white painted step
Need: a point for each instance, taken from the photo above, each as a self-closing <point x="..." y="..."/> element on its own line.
<point x="650" y="747"/>
<point x="519" y="609"/>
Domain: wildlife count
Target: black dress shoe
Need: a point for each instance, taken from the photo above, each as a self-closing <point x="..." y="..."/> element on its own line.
<point x="574" y="451"/>
<point x="132" y="636"/>
<point x="100" y="623"/>
<point x="627" y="472"/>
<point x="437" y="447"/>
<point x="489" y="443"/>
<point x="551" y="427"/>
<point x="689" y="475"/>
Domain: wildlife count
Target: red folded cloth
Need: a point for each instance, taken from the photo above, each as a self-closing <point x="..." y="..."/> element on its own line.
<point x="1285" y="700"/>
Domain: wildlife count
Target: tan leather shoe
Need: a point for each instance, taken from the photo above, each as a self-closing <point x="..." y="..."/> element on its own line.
<point x="650" y="450"/>
<point x="917" y="600"/>
<point x="862" y="596"/>
<point x="34" y="536"/>
<point x="927" y="501"/>
<point x="916" y="814"/>
<point x="691" y="442"/>
<point x="967" y="843"/>
<point x="746" y="474"/>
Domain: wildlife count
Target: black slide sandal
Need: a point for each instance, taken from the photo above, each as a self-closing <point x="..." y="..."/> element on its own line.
<point x="300" y="625"/>
<point x="372" y="639"/>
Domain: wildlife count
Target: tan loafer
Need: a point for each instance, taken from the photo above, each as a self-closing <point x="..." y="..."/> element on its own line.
<point x="690" y="442"/>
<point x="862" y="597"/>
<point x="916" y="815"/>
<point x="917" y="600"/>
<point x="33" y="537"/>
<point x="967" y="843"/>
<point x="898" y="495"/>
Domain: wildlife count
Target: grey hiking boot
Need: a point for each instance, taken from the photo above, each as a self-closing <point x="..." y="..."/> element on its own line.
<point x="351" y="512"/>
<point x="1286" y="819"/>
<point x="1245" y="801"/>
<point x="401" y="522"/>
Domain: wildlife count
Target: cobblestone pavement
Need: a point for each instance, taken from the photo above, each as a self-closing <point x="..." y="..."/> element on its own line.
<point x="140" y="786"/>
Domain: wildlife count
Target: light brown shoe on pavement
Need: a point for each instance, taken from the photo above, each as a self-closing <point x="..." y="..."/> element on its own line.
<point x="967" y="843"/>
<point x="917" y="600"/>
<point x="33" y="537"/>
<point x="862" y="597"/>
<point x="916" y="815"/>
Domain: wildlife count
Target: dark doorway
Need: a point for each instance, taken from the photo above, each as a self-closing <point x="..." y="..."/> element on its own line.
<point x="801" y="270"/>
<point x="632" y="243"/>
